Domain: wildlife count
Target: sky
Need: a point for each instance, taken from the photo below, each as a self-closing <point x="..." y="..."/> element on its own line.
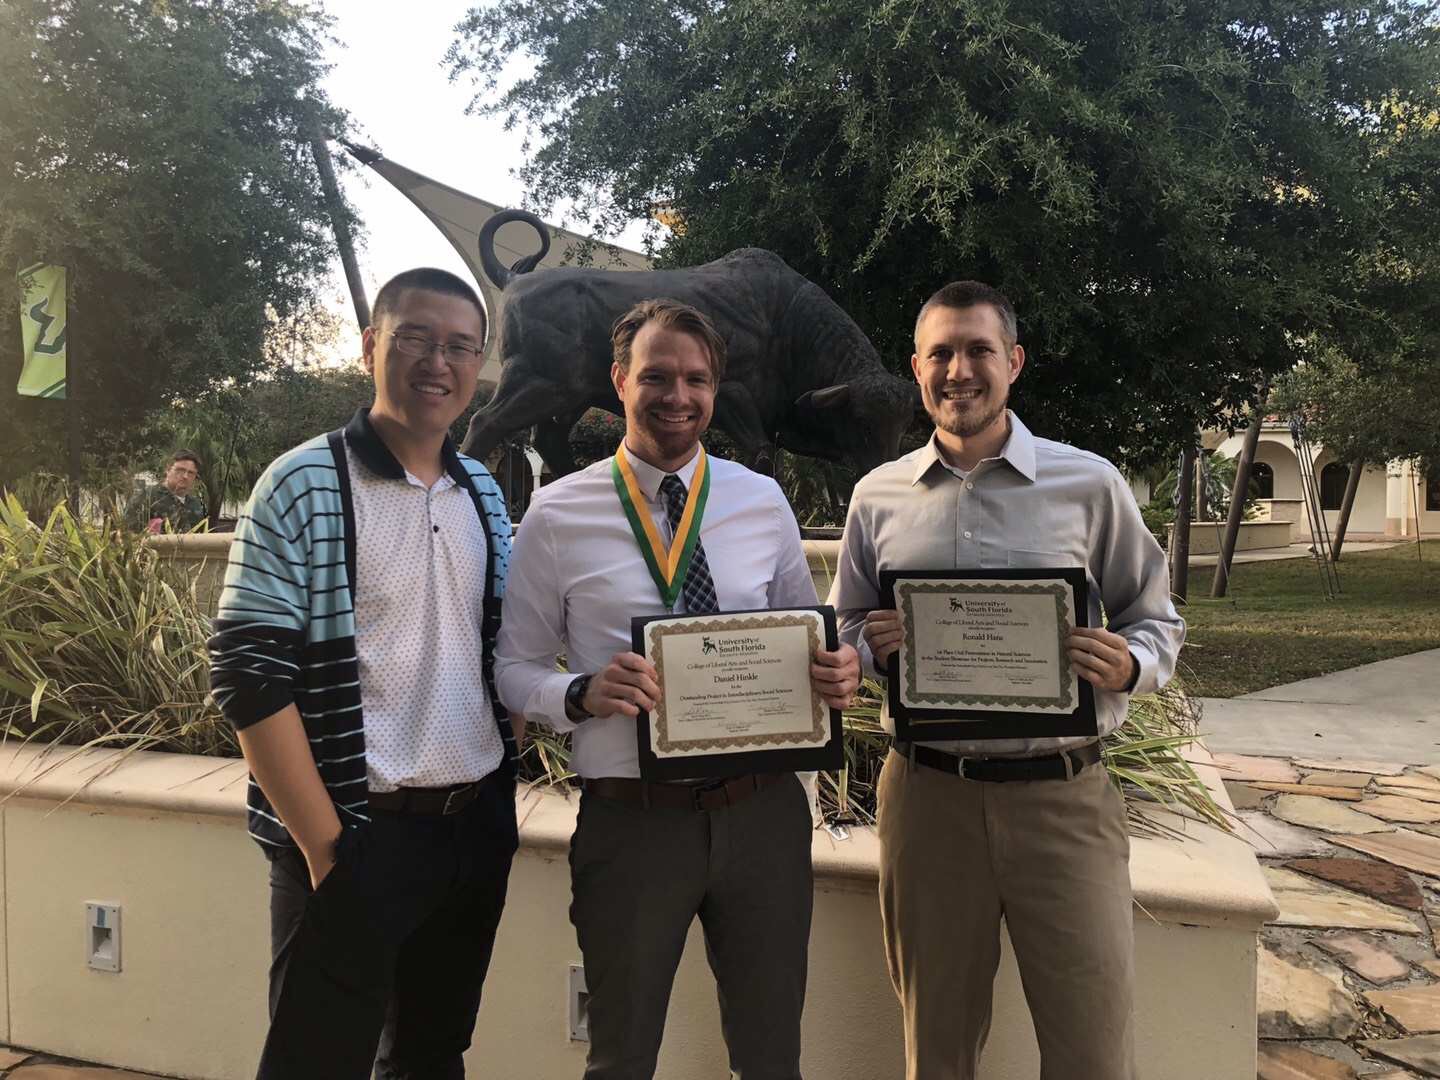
<point x="389" y="74"/>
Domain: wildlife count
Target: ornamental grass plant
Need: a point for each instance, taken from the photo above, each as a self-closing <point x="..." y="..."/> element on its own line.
<point x="102" y="644"/>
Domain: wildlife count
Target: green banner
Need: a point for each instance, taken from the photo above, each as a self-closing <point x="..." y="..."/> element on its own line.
<point x="42" y="331"/>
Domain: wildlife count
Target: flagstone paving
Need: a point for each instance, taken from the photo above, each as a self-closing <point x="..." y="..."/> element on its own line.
<point x="1242" y="767"/>
<point x="1278" y="839"/>
<point x="1431" y="795"/>
<point x="1420" y="779"/>
<point x="1376" y="768"/>
<point x="1345" y="794"/>
<point x="1287" y="1061"/>
<point x="1245" y="796"/>
<point x="1402" y="808"/>
<point x="1304" y="901"/>
<point x="1370" y="961"/>
<point x="1419" y="1052"/>
<point x="1377" y="880"/>
<point x="1300" y="997"/>
<point x="1338" y="779"/>
<point x="1312" y="812"/>
<point x="1416" y="1008"/>
<point x="1404" y="847"/>
<point x="1348" y="981"/>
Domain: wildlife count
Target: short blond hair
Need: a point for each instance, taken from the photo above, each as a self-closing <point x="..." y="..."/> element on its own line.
<point x="671" y="315"/>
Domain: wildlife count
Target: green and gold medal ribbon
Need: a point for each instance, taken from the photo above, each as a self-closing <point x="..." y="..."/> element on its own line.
<point x="668" y="566"/>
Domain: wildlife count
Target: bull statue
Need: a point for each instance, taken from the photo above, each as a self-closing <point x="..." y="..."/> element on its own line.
<point x="801" y="374"/>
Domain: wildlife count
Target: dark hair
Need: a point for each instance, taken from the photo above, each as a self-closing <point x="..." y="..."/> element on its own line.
<point x="673" y="315"/>
<point x="184" y="455"/>
<point x="964" y="294"/>
<point x="429" y="279"/>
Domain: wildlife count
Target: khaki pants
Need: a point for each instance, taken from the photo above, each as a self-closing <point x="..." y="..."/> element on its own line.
<point x="1049" y="856"/>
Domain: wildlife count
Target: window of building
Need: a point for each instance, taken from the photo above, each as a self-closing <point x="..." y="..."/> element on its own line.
<point x="1262" y="481"/>
<point x="1432" y="492"/>
<point x="1332" y="485"/>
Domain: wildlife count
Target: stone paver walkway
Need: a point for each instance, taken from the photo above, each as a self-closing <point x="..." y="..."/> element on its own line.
<point x="1336" y="781"/>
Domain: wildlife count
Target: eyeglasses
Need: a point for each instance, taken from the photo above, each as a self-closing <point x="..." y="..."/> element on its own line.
<point x="417" y="347"/>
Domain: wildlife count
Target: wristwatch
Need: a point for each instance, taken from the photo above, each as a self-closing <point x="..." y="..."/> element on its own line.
<point x="575" y="696"/>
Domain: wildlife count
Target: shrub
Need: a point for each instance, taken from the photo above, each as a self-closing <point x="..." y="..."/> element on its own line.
<point x="101" y="642"/>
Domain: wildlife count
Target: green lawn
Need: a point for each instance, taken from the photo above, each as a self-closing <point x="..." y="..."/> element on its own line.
<point x="1276" y="625"/>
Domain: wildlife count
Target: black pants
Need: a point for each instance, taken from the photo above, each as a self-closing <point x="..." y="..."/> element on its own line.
<point x="389" y="954"/>
<point x="641" y="877"/>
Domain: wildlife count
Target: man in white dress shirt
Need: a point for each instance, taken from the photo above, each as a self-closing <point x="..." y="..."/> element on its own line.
<point x="646" y="858"/>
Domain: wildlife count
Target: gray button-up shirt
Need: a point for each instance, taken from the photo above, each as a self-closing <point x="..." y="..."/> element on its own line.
<point x="1038" y="504"/>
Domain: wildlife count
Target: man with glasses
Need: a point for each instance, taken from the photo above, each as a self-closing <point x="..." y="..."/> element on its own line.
<point x="353" y="652"/>
<point x="169" y="504"/>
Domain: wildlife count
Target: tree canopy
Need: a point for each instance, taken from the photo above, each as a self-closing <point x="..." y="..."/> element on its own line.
<point x="1179" y="197"/>
<point x="160" y="151"/>
<point x="1373" y="414"/>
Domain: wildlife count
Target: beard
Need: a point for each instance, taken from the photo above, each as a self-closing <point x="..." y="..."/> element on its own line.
<point x="970" y="421"/>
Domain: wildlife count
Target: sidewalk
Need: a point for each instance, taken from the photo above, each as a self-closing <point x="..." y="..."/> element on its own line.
<point x="1295" y="551"/>
<point x="1388" y="710"/>
<point x="1336" y="784"/>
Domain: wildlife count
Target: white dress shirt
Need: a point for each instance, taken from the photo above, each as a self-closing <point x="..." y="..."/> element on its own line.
<point x="577" y="577"/>
<point x="1038" y="504"/>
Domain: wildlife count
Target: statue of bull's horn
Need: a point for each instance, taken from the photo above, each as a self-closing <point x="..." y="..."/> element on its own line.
<point x="828" y="398"/>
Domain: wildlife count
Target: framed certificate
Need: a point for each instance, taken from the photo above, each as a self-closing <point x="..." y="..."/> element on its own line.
<point x="983" y="654"/>
<point x="735" y="694"/>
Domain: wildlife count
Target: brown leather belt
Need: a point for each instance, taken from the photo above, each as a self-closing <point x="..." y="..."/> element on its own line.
<point x="703" y="795"/>
<point x="437" y="802"/>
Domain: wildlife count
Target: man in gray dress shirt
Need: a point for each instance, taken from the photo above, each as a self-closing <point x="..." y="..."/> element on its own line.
<point x="648" y="858"/>
<point x="1028" y="829"/>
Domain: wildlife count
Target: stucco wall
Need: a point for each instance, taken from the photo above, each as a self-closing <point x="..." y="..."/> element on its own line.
<point x="163" y="838"/>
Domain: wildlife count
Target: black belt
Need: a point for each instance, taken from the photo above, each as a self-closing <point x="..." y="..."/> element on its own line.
<point x="705" y="795"/>
<point x="439" y="801"/>
<point x="1065" y="765"/>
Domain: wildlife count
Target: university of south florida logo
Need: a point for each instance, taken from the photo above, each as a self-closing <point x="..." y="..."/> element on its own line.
<point x="707" y="645"/>
<point x="956" y="604"/>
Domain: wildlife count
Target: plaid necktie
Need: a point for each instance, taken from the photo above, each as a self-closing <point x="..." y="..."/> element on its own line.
<point x="699" y="588"/>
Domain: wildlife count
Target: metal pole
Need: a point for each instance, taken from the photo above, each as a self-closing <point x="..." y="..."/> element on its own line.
<point x="75" y="429"/>
<point x="342" y="228"/>
<point x="1241" y="489"/>
<point x="1180" y="542"/>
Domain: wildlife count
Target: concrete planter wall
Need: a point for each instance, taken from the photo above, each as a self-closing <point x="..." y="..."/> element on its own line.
<point x="163" y="836"/>
<point x="1205" y="536"/>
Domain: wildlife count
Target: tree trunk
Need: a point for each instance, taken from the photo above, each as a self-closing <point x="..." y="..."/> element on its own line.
<point x="1352" y="484"/>
<point x="1180" y="541"/>
<point x="1202" y="488"/>
<point x="1243" y="468"/>
<point x="342" y="230"/>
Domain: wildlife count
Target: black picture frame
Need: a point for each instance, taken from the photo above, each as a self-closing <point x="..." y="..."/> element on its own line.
<point x="917" y="724"/>
<point x="830" y="756"/>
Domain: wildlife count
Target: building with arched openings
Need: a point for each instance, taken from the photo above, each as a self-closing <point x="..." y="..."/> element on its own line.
<point x="1388" y="503"/>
